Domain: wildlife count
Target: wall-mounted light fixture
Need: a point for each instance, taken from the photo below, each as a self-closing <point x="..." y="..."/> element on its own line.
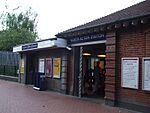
<point x="68" y="48"/>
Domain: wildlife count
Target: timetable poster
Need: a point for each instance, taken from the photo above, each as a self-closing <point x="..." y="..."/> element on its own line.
<point x="130" y="72"/>
<point x="146" y="74"/>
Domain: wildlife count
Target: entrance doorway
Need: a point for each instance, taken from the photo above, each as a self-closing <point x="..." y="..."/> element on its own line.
<point x="31" y="68"/>
<point x="94" y="71"/>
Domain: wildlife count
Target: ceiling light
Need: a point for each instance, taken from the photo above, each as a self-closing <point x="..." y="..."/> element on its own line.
<point x="101" y="55"/>
<point x="86" y="54"/>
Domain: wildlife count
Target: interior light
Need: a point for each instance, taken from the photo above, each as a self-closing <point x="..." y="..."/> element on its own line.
<point x="101" y="55"/>
<point x="86" y="54"/>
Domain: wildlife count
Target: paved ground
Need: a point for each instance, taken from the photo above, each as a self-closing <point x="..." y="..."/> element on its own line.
<point x="18" y="98"/>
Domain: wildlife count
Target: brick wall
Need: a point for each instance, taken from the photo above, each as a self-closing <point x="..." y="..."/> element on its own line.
<point x="59" y="84"/>
<point x="132" y="42"/>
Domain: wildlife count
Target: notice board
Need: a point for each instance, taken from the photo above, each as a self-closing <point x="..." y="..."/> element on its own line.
<point x="146" y="74"/>
<point x="130" y="72"/>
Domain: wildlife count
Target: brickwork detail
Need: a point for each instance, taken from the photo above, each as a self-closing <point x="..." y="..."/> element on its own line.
<point x="147" y="41"/>
<point x="64" y="74"/>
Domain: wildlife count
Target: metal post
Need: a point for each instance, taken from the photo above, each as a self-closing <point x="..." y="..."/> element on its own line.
<point x="80" y="72"/>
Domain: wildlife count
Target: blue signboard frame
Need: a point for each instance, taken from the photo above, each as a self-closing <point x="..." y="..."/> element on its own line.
<point x="30" y="46"/>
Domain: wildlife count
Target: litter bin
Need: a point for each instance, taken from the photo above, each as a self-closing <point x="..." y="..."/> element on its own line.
<point x="36" y="81"/>
<point x="40" y="81"/>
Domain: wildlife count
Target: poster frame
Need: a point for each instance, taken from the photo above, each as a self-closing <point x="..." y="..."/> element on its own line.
<point x="130" y="58"/>
<point x="51" y="59"/>
<point x="39" y="65"/>
<point x="22" y="66"/>
<point x="143" y="72"/>
<point x="59" y="75"/>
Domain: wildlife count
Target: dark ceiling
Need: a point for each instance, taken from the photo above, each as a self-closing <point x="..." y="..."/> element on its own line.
<point x="95" y="49"/>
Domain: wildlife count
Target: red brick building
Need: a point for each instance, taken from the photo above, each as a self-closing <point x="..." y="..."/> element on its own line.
<point x="124" y="37"/>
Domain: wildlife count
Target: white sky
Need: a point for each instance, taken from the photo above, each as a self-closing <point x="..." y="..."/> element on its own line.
<point x="55" y="16"/>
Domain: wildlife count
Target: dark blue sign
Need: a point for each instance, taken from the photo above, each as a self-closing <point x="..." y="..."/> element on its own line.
<point x="88" y="38"/>
<point x="30" y="46"/>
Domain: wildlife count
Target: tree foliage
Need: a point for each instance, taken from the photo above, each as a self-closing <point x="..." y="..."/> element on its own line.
<point x="17" y="29"/>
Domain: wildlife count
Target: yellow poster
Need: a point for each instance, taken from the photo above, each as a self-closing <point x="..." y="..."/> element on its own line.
<point x="22" y="66"/>
<point x="56" y="67"/>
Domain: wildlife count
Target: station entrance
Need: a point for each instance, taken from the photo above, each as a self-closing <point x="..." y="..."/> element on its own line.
<point x="93" y="83"/>
<point x="31" y="68"/>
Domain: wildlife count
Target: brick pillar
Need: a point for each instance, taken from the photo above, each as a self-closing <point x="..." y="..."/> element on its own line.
<point x="64" y="74"/>
<point x="110" y="84"/>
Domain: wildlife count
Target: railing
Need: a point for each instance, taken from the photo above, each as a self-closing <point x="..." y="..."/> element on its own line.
<point x="9" y="63"/>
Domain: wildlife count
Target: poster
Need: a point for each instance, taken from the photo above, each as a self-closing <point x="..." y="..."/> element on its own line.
<point x="56" y="67"/>
<point x="41" y="65"/>
<point x="146" y="74"/>
<point x="48" y="67"/>
<point x="22" y="66"/>
<point x="130" y="73"/>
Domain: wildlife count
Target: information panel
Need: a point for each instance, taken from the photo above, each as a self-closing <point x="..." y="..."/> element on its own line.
<point x="130" y="72"/>
<point x="146" y="74"/>
<point x="41" y="65"/>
